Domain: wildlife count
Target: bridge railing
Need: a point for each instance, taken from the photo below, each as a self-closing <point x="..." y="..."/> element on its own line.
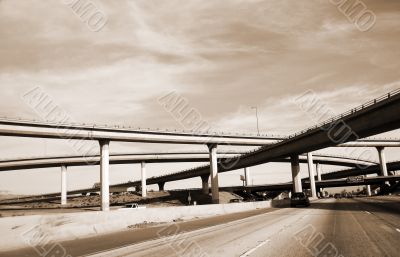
<point x="349" y="112"/>
<point x="139" y="129"/>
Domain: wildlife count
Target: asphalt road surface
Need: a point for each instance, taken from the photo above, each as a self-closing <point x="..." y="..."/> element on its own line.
<point x="346" y="227"/>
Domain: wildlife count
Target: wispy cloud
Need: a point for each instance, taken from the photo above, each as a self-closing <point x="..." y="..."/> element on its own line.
<point x="223" y="56"/>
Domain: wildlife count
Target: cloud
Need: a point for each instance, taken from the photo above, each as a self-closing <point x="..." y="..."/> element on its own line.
<point x="223" y="56"/>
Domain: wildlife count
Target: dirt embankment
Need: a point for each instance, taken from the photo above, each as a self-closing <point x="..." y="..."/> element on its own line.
<point x="17" y="207"/>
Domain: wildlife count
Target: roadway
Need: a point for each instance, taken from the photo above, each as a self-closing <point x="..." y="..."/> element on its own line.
<point x="352" y="227"/>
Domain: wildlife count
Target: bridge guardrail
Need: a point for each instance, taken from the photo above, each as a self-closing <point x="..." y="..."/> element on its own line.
<point x="349" y="112"/>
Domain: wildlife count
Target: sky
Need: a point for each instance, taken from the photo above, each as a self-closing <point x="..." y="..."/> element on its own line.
<point x="223" y="57"/>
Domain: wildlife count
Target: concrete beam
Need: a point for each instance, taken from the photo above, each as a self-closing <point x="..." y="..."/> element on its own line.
<point x="297" y="187"/>
<point x="144" y="186"/>
<point x="63" y="185"/>
<point x="105" y="174"/>
<point x="214" y="173"/>
<point x="204" y="184"/>
<point x="311" y="175"/>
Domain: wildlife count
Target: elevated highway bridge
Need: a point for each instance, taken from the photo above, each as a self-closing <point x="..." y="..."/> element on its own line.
<point x="369" y="119"/>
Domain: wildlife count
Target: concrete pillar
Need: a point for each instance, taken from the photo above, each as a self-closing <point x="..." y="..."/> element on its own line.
<point x="319" y="171"/>
<point x="144" y="186"/>
<point x="105" y="174"/>
<point x="204" y="184"/>
<point x="311" y="174"/>
<point x="297" y="187"/>
<point x="63" y="185"/>
<point x="161" y="186"/>
<point x="247" y="176"/>
<point x="214" y="173"/>
<point x="368" y="189"/>
<point x="319" y="177"/>
<point x="382" y="161"/>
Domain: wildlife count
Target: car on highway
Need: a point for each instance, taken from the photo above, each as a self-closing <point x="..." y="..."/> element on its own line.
<point x="131" y="206"/>
<point x="299" y="199"/>
<point x="349" y="196"/>
<point x="338" y="196"/>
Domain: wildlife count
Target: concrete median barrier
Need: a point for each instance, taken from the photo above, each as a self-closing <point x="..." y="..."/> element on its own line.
<point x="30" y="231"/>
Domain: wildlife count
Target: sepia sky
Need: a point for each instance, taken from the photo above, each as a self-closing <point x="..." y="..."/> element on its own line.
<point x="222" y="56"/>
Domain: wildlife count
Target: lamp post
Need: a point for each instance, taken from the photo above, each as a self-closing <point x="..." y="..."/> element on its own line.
<point x="258" y="129"/>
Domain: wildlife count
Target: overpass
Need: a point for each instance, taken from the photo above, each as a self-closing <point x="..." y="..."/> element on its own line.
<point x="196" y="172"/>
<point x="160" y="157"/>
<point x="339" y="182"/>
<point x="88" y="132"/>
<point x="21" y="128"/>
<point x="366" y="120"/>
<point x="342" y="182"/>
<point x="371" y="143"/>
<point x="369" y="119"/>
<point x="152" y="157"/>
<point x="373" y="169"/>
<point x="122" y="158"/>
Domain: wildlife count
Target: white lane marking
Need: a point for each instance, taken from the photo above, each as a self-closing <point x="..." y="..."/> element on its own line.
<point x="367" y="212"/>
<point x="398" y="230"/>
<point x="255" y="248"/>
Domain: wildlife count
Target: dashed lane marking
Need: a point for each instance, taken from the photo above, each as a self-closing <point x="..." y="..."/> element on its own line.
<point x="255" y="248"/>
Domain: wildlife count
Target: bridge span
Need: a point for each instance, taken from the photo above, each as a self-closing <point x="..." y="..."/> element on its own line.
<point x="364" y="121"/>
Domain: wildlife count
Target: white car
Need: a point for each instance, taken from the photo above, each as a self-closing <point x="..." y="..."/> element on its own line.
<point x="132" y="206"/>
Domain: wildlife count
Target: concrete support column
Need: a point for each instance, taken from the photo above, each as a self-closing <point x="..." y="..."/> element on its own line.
<point x="368" y="189"/>
<point x="311" y="174"/>
<point x="319" y="171"/>
<point x="204" y="184"/>
<point x="161" y="186"/>
<point x="63" y="185"/>
<point x="144" y="186"/>
<point x="214" y="173"/>
<point x="382" y="161"/>
<point x="319" y="177"/>
<point x="297" y="187"/>
<point x="105" y="174"/>
<point x="247" y="176"/>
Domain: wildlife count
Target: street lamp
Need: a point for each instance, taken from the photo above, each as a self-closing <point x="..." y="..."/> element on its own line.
<point x="258" y="129"/>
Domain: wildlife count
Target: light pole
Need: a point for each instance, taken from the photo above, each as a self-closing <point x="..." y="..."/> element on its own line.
<point x="258" y="129"/>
